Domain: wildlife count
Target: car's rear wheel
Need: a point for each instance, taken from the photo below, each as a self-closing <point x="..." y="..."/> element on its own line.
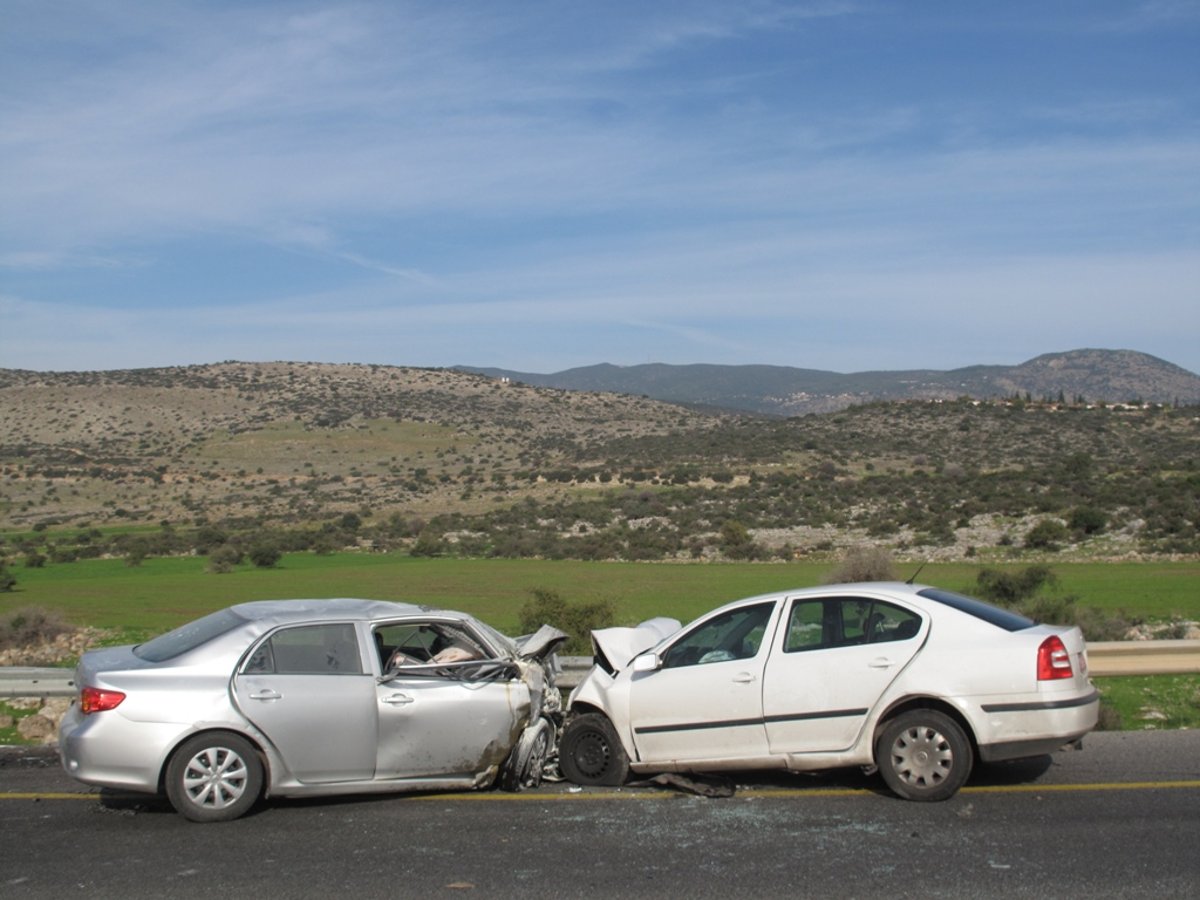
<point x="591" y="753"/>
<point x="924" y="755"/>
<point x="214" y="777"/>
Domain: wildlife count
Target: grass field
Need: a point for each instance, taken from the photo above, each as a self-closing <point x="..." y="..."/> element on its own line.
<point x="162" y="593"/>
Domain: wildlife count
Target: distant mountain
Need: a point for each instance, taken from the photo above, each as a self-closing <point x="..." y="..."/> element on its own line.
<point x="1109" y="376"/>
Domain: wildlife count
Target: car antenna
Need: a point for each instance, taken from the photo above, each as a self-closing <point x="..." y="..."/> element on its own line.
<point x="915" y="574"/>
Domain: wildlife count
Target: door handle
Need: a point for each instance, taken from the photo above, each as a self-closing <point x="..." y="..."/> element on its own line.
<point x="266" y="694"/>
<point x="881" y="662"/>
<point x="398" y="700"/>
<point x="744" y="678"/>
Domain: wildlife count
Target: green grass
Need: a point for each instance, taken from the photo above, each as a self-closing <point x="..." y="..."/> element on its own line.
<point x="163" y="593"/>
<point x="137" y="602"/>
<point x="1148" y="702"/>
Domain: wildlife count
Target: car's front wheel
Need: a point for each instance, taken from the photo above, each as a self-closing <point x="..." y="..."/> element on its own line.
<point x="214" y="777"/>
<point x="591" y="753"/>
<point x="924" y="755"/>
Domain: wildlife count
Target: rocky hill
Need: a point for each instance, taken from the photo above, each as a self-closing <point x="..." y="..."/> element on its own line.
<point x="312" y="456"/>
<point x="1096" y="376"/>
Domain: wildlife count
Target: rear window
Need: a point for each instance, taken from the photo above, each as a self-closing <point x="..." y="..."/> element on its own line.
<point x="994" y="615"/>
<point x="189" y="637"/>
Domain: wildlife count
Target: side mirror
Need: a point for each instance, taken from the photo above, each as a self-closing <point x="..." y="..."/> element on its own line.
<point x="647" y="662"/>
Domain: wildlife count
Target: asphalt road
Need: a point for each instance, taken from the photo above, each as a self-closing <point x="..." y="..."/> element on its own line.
<point x="1121" y="818"/>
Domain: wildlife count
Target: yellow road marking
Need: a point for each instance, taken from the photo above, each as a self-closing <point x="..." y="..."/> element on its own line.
<point x="653" y="794"/>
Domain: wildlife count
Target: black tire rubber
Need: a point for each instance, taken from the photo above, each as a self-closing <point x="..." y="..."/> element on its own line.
<point x="591" y="753"/>
<point x="523" y="768"/>
<point x="924" y="755"/>
<point x="214" y="777"/>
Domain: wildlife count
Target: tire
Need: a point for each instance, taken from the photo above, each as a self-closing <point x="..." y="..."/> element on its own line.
<point x="924" y="755"/>
<point x="591" y="753"/>
<point x="214" y="777"/>
<point x="523" y="768"/>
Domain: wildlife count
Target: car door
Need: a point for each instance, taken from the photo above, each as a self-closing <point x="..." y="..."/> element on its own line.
<point x="306" y="689"/>
<point x="705" y="699"/>
<point x="828" y="668"/>
<point x="445" y="720"/>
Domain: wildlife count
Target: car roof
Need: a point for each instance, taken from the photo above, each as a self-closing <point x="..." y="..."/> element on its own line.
<point x="285" y="611"/>
<point x="893" y="588"/>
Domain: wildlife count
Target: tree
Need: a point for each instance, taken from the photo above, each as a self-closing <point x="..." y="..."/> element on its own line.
<point x="1085" y="520"/>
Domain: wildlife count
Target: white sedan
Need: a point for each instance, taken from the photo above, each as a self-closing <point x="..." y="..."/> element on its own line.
<point x="917" y="681"/>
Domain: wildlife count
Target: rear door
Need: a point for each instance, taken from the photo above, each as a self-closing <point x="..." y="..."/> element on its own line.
<point x="306" y="689"/>
<point x="829" y="666"/>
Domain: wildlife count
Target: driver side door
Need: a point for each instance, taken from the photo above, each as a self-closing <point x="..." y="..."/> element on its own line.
<point x="705" y="700"/>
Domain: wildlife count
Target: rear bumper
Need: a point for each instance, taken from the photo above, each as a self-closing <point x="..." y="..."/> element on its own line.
<point x="106" y="750"/>
<point x="1036" y="727"/>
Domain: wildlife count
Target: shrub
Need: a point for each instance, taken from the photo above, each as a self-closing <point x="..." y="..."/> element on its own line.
<point x="31" y="626"/>
<point x="265" y="556"/>
<point x="1048" y="534"/>
<point x="223" y="559"/>
<point x="7" y="580"/>
<point x="1086" y="520"/>
<point x="577" y="620"/>
<point x="1010" y="588"/>
<point x="864" y="564"/>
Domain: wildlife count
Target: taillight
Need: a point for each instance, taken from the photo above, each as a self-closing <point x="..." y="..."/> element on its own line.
<point x="94" y="700"/>
<point x="1053" y="660"/>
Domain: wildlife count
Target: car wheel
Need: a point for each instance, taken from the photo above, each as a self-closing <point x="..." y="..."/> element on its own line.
<point x="523" y="768"/>
<point x="591" y="752"/>
<point x="924" y="755"/>
<point x="214" y="777"/>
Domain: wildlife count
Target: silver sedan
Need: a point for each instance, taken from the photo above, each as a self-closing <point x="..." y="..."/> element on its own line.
<point x="292" y="698"/>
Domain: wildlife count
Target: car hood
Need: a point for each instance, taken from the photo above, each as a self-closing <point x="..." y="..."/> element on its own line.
<point x="617" y="646"/>
<point x="541" y="643"/>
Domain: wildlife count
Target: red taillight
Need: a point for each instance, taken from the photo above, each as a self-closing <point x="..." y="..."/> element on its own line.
<point x="94" y="700"/>
<point x="1053" y="660"/>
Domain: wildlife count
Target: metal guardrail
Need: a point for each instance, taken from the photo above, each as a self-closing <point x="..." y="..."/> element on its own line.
<point x="1144" y="657"/>
<point x="1105" y="658"/>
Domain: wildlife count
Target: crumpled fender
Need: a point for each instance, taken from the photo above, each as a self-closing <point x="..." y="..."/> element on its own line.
<point x="620" y="645"/>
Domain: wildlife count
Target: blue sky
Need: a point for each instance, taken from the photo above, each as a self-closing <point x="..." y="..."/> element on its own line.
<point x="832" y="185"/>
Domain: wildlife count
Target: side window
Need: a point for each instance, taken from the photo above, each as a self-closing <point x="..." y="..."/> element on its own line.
<point x="737" y="634"/>
<point x="847" y="622"/>
<point x="308" y="650"/>
<point x="891" y="623"/>
<point x="411" y="644"/>
<point x="806" y="626"/>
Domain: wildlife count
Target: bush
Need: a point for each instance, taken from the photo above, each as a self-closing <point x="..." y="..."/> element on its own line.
<point x="577" y="620"/>
<point x="31" y="626"/>
<point x="223" y="559"/>
<point x="1048" y="534"/>
<point x="265" y="556"/>
<point x="7" y="580"/>
<point x="864" y="564"/>
<point x="1010" y="588"/>
<point x="1085" y="520"/>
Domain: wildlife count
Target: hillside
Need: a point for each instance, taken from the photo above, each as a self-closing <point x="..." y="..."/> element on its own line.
<point x="1096" y="376"/>
<point x="309" y="456"/>
<point x="284" y="440"/>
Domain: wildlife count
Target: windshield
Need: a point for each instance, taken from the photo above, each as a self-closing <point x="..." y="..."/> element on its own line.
<point x="189" y="637"/>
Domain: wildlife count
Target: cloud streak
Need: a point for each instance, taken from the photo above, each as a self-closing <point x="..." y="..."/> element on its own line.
<point x="555" y="185"/>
